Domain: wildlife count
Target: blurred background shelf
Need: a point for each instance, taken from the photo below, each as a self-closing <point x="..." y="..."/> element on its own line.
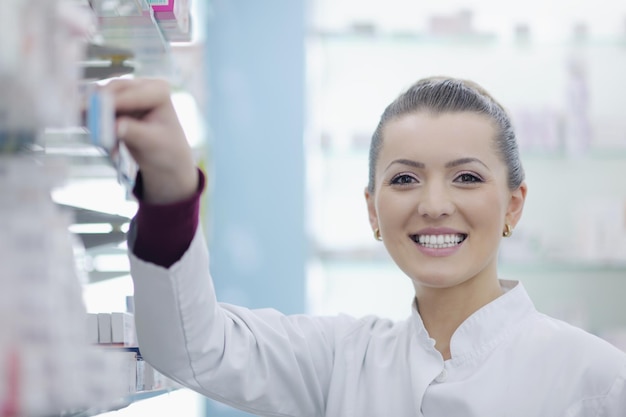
<point x="49" y="164"/>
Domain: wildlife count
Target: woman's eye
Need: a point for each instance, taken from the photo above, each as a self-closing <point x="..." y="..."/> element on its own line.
<point x="468" y="178"/>
<point x="403" y="180"/>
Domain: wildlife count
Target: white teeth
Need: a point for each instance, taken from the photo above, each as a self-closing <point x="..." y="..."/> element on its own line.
<point x="440" y="241"/>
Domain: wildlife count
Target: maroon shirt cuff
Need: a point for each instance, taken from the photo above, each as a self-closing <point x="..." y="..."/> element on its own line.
<point x="163" y="232"/>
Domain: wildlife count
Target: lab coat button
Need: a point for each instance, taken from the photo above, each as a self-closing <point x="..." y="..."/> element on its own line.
<point x="442" y="376"/>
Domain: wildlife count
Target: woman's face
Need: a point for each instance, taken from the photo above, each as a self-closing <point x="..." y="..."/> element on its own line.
<point x="441" y="200"/>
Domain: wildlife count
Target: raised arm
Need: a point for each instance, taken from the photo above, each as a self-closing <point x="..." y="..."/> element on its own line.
<point x="260" y="361"/>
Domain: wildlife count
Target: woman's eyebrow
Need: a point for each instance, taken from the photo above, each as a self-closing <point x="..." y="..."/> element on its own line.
<point x="409" y="162"/>
<point x="463" y="161"/>
<point x="451" y="164"/>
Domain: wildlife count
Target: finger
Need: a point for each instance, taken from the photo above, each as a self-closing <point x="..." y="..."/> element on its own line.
<point x="120" y="84"/>
<point x="140" y="96"/>
<point x="116" y="85"/>
<point x="134" y="133"/>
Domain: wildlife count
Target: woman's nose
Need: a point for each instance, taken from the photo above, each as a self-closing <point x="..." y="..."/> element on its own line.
<point x="435" y="201"/>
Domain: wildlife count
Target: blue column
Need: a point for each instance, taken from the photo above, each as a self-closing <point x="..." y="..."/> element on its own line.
<point x="255" y="64"/>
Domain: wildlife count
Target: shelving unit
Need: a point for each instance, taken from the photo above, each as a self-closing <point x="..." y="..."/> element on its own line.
<point x="46" y="364"/>
<point x="131" y="26"/>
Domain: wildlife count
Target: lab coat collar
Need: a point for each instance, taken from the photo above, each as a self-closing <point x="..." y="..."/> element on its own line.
<point x="486" y="327"/>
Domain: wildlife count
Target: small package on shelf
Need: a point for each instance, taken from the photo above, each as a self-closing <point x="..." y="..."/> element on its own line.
<point x="104" y="328"/>
<point x="123" y="329"/>
<point x="117" y="328"/>
<point x="173" y="17"/>
<point x="100" y="122"/>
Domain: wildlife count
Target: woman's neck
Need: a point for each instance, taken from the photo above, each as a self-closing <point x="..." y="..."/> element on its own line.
<point x="443" y="310"/>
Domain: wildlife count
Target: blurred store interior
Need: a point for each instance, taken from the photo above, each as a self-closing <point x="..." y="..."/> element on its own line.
<point x="281" y="98"/>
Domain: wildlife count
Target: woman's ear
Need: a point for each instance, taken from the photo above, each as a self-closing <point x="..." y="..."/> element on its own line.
<point x="371" y="209"/>
<point x="516" y="205"/>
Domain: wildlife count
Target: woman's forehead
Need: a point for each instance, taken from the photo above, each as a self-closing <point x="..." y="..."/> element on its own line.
<point x="428" y="133"/>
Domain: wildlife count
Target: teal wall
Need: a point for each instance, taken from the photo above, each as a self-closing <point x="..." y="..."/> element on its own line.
<point x="255" y="65"/>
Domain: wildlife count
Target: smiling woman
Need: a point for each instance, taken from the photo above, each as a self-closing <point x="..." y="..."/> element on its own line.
<point x="445" y="186"/>
<point x="446" y="183"/>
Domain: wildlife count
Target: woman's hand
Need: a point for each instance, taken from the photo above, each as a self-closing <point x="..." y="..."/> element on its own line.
<point x="148" y="125"/>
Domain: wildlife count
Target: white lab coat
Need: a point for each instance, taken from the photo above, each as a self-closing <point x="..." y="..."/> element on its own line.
<point x="507" y="359"/>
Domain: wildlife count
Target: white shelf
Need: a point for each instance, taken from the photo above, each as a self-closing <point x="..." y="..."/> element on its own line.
<point x="125" y="402"/>
<point x="129" y="36"/>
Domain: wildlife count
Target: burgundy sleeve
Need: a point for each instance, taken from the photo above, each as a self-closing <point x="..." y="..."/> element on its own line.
<point x="161" y="233"/>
